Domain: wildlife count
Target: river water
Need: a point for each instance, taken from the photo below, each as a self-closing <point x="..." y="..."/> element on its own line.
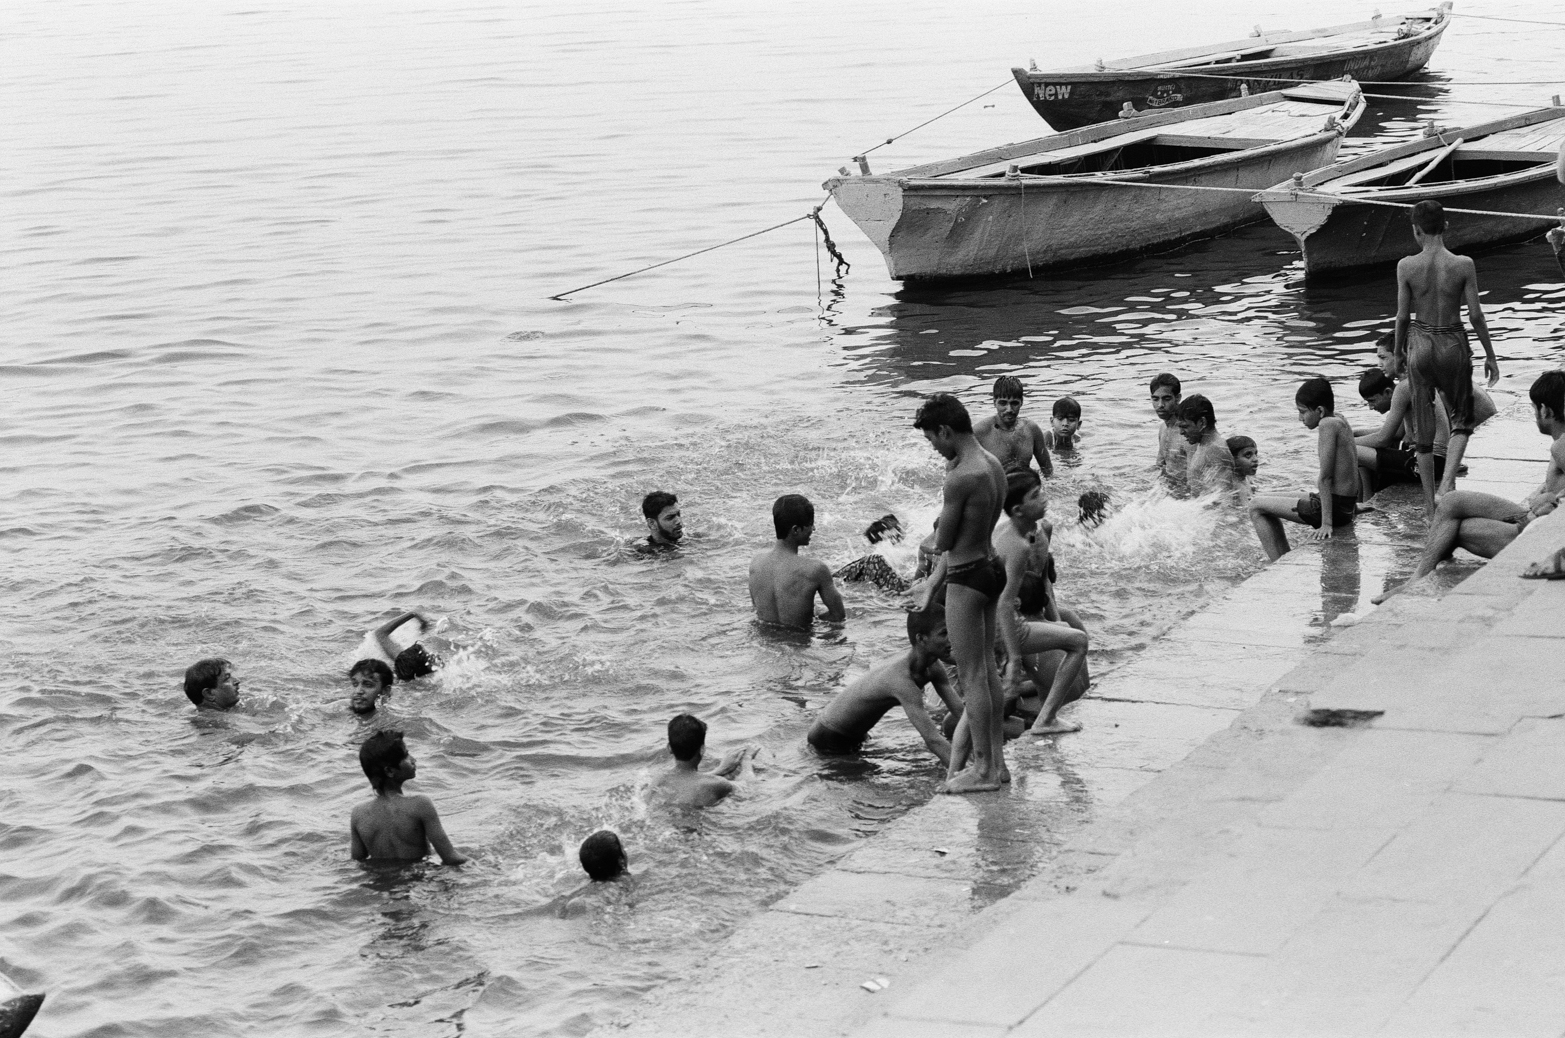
<point x="279" y="358"/>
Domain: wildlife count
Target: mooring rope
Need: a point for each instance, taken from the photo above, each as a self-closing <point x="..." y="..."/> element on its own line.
<point x="942" y="115"/>
<point x="831" y="246"/>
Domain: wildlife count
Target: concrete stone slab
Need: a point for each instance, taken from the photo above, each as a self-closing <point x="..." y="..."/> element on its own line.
<point x="1380" y="780"/>
<point x="1503" y="978"/>
<point x="1263" y="889"/>
<point x="901" y="1027"/>
<point x="1539" y="615"/>
<point x="1211" y="689"/>
<point x="1134" y="991"/>
<point x="880" y="898"/>
<point x="1529" y="761"/>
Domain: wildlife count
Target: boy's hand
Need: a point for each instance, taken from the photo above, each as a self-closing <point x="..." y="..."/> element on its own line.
<point x="1491" y="368"/>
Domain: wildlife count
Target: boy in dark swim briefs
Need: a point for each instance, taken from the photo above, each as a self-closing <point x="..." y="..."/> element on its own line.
<point x="848" y="718"/>
<point x="1336" y="487"/>
<point x="1436" y="284"/>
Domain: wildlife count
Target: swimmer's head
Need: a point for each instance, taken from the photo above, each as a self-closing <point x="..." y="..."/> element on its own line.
<point x="370" y="679"/>
<point x="1024" y="496"/>
<point x="887" y="528"/>
<point x="1548" y="400"/>
<point x="1247" y="456"/>
<point x="1195" y="417"/>
<point x="927" y="628"/>
<point x="1066" y="418"/>
<point x="1314" y="401"/>
<point x="1429" y="217"/>
<point x="385" y="758"/>
<point x="793" y="517"/>
<point x="603" y="856"/>
<point x="1092" y="507"/>
<point x="1165" y="395"/>
<point x="1376" y="387"/>
<point x="413" y="662"/>
<point x="211" y="685"/>
<point x="686" y="737"/>
<point x="661" y="511"/>
<point x="942" y="418"/>
<point x="1008" y="386"/>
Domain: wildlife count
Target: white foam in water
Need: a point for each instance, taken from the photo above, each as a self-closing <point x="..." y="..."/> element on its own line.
<point x="1151" y="525"/>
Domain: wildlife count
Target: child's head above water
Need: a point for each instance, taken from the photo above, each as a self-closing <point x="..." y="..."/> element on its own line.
<point x="371" y="679"/>
<point x="686" y="737"/>
<point x="1247" y="456"/>
<point x="1066" y="417"/>
<point x="211" y="685"/>
<point x="413" y="662"/>
<point x="1092" y="507"/>
<point x="385" y="758"/>
<point x="1195" y="417"/>
<point x="603" y="856"/>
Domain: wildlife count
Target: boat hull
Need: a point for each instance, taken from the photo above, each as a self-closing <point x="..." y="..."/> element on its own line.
<point x="1067" y="100"/>
<point x="1350" y="235"/>
<point x="934" y="230"/>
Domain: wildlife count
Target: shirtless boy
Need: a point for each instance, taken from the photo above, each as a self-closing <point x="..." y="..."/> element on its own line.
<point x="1013" y="440"/>
<point x="1247" y="462"/>
<point x="371" y="682"/>
<point x="1484" y="523"/>
<point x="685" y="785"/>
<point x="1209" y="463"/>
<point x="848" y="718"/>
<point x="1170" y="445"/>
<point x="664" y="526"/>
<point x="1015" y="541"/>
<point x="211" y="685"/>
<point x="783" y="586"/>
<point x="1337" y="486"/>
<point x="1064" y="424"/>
<point x="973" y="494"/>
<point x="1435" y="284"/>
<point x="393" y="826"/>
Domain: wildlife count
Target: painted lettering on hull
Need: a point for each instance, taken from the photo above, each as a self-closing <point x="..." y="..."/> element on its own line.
<point x="1164" y="96"/>
<point x="1052" y="92"/>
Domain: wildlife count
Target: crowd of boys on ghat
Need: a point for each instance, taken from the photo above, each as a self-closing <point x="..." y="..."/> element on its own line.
<point x="985" y="600"/>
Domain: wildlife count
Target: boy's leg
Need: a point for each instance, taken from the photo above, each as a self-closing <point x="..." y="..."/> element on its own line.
<point x="1042" y="637"/>
<point x="1456" y="446"/>
<point x="996" y="692"/>
<point x="972" y="646"/>
<point x="1266" y="515"/>
<point x="1467" y="519"/>
<point x="1369" y="464"/>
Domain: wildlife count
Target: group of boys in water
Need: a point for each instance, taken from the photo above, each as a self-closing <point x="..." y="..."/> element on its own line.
<point x="986" y="592"/>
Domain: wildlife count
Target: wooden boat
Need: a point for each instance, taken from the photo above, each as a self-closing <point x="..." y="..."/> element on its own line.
<point x="1506" y="165"/>
<point x="1379" y="49"/>
<point x="1102" y="191"/>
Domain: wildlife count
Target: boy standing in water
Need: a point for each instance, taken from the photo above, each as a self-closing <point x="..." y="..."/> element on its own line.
<point x="1013" y="440"/>
<point x="1209" y="463"/>
<point x="394" y="826"/>
<point x="1170" y="445"/>
<point x="974" y="492"/>
<point x="842" y="726"/>
<point x="1064" y="423"/>
<point x="783" y="586"/>
<point x="1336" y="488"/>
<point x="664" y="525"/>
<point x="211" y="685"/>
<point x="1015" y="542"/>
<point x="1435" y="284"/>
<point x="1247" y="461"/>
<point x="684" y="785"/>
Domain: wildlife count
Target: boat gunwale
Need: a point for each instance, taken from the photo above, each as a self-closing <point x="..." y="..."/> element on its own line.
<point x="1439" y="20"/>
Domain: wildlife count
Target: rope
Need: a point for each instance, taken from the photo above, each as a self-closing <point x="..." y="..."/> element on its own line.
<point x="1456" y="101"/>
<point x="1025" y="250"/>
<point x="1360" y="82"/>
<point x="831" y="246"/>
<point x="942" y="115"/>
<point x="1497" y="18"/>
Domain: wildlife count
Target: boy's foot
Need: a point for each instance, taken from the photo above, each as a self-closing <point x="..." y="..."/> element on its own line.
<point x="1362" y="507"/>
<point x="1056" y="727"/>
<point x="1005" y="775"/>
<point x="969" y="781"/>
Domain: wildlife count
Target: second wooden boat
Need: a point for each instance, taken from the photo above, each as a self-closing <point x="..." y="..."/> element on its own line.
<point x="1505" y="165"/>
<point x="1376" y="50"/>
<point x="1117" y="188"/>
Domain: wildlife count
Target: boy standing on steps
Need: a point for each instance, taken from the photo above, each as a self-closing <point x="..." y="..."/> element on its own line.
<point x="1337" y="486"/>
<point x="394" y="826"/>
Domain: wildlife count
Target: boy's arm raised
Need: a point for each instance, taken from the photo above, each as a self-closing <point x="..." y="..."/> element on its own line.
<point x="383" y="632"/>
<point x="435" y="833"/>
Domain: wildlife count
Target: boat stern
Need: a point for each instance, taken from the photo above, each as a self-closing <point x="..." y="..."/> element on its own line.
<point x="874" y="203"/>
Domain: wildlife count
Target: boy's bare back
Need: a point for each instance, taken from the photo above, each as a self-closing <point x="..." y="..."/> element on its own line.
<point x="398" y="827"/>
<point x="691" y="788"/>
<point x="783" y="586"/>
<point x="1436" y="282"/>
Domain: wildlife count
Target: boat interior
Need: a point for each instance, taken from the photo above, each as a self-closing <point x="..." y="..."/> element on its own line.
<point x="1521" y="149"/>
<point x="1159" y="150"/>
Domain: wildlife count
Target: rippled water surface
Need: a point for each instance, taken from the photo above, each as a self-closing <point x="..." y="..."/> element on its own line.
<point x="279" y="358"/>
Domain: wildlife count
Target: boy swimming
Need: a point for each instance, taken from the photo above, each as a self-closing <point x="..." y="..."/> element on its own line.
<point x="684" y="785"/>
<point x="394" y="826"/>
<point x="1064" y="424"/>
<point x="211" y="685"/>
<point x="848" y="718"/>
<point x="1335" y="499"/>
<point x="665" y="525"/>
<point x="603" y="856"/>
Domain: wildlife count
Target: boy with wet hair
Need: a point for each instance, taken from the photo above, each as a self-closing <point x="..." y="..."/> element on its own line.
<point x="1436" y="284"/>
<point x="394" y="826"/>
<point x="371" y="681"/>
<point x="211" y="685"/>
<point x="1064" y="423"/>
<point x="1015" y="542"/>
<point x="603" y="856"/>
<point x="843" y="724"/>
<point x="783" y="585"/>
<point x="1337" y="486"/>
<point x="1171" y="448"/>
<point x="684" y="785"/>
<point x="1209" y="463"/>
<point x="665" y="527"/>
<point x="1015" y="442"/>
<point x="1247" y="461"/>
